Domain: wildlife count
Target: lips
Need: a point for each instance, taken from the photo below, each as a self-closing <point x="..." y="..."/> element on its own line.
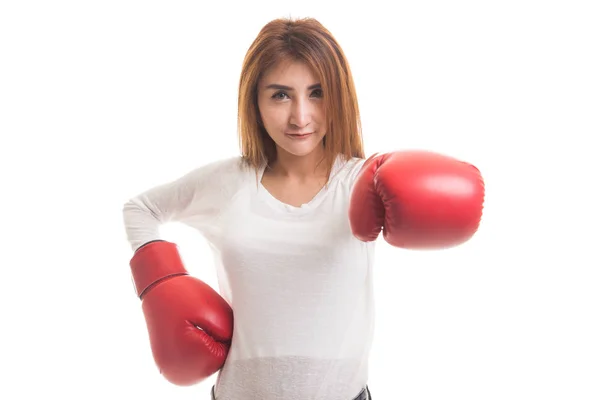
<point x="299" y="135"/>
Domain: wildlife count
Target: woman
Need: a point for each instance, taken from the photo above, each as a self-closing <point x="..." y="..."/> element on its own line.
<point x="292" y="223"/>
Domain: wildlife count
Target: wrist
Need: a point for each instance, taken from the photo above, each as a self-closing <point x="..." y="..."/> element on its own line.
<point x="154" y="262"/>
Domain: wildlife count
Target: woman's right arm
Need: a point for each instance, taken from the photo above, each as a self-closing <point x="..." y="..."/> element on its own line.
<point x="195" y="194"/>
<point x="189" y="324"/>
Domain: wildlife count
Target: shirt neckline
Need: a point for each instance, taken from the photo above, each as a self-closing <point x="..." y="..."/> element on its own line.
<point x="306" y="207"/>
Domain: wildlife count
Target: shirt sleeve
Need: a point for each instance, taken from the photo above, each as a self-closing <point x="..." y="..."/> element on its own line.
<point x="354" y="168"/>
<point x="194" y="198"/>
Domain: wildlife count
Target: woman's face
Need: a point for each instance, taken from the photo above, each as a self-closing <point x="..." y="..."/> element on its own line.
<point x="290" y="101"/>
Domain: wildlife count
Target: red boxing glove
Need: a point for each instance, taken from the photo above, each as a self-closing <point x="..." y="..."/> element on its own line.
<point x="422" y="200"/>
<point x="190" y="325"/>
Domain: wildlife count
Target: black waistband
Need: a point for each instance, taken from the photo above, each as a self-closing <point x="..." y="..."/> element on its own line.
<point x="364" y="394"/>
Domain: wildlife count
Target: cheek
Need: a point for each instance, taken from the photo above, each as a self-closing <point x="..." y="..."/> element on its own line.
<point x="320" y="114"/>
<point x="274" y="116"/>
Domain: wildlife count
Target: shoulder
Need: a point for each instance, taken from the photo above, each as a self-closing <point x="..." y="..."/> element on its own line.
<point x="346" y="171"/>
<point x="229" y="169"/>
<point x="215" y="179"/>
<point x="212" y="185"/>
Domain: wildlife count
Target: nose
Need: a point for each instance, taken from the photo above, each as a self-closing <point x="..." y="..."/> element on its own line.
<point x="301" y="113"/>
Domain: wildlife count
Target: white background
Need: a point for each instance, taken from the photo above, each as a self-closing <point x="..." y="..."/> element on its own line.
<point x="101" y="100"/>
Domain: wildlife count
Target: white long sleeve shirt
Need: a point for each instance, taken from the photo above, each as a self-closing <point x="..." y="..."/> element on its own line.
<point x="298" y="281"/>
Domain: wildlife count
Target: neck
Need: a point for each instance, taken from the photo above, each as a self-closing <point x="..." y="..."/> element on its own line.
<point x="305" y="167"/>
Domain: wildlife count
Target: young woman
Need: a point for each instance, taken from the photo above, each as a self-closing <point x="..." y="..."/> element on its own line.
<point x="293" y="222"/>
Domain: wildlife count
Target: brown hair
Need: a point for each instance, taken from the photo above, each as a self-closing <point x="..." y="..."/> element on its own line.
<point x="309" y="41"/>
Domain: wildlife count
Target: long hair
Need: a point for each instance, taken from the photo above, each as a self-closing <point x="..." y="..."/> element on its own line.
<point x="305" y="40"/>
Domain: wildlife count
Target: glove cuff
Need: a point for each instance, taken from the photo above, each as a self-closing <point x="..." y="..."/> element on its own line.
<point x="154" y="262"/>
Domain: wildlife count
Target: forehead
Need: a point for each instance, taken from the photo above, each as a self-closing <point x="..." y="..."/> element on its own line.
<point x="290" y="73"/>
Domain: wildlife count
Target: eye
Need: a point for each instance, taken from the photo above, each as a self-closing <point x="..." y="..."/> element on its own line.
<point x="318" y="93"/>
<point x="278" y="96"/>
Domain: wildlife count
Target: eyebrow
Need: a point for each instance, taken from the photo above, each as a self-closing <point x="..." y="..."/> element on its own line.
<point x="283" y="87"/>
